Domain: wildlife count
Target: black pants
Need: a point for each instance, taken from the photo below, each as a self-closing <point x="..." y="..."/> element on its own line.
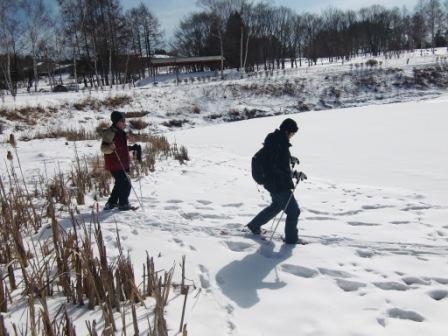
<point x="122" y="188"/>
<point x="279" y="201"/>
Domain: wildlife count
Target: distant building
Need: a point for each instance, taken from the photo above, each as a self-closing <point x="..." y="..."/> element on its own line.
<point x="187" y="64"/>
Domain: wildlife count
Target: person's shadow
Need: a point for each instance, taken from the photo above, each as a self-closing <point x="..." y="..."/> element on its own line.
<point x="241" y="279"/>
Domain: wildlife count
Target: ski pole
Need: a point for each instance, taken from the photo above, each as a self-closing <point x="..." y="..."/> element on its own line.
<point x="284" y="209"/>
<point x="129" y="179"/>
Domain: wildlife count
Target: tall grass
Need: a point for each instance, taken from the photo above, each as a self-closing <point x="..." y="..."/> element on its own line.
<point x="73" y="261"/>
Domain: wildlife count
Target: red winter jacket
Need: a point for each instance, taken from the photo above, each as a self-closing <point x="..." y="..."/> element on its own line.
<point x="118" y="137"/>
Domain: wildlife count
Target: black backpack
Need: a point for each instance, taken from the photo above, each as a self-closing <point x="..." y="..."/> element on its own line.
<point x="259" y="166"/>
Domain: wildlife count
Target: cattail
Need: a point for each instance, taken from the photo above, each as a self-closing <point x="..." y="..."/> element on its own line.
<point x="12" y="140"/>
<point x="9" y="156"/>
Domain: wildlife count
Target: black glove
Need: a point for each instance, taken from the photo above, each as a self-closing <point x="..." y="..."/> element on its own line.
<point x="137" y="151"/>
<point x="294" y="160"/>
<point x="299" y="176"/>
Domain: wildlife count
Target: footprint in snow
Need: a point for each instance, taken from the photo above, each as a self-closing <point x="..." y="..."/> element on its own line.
<point x="416" y="207"/>
<point x="232" y="205"/>
<point x="401" y="314"/>
<point x="300" y="271"/>
<point x="204" y="277"/>
<point x="171" y="207"/>
<point x="174" y="201"/>
<point x="417" y="196"/>
<point x="320" y="218"/>
<point x="233" y="226"/>
<point x="316" y="212"/>
<point x="334" y="273"/>
<point x="199" y="207"/>
<point x="381" y="322"/>
<point x="410" y="280"/>
<point x="348" y="213"/>
<point x="191" y="215"/>
<point x="204" y="202"/>
<point x="198" y="215"/>
<point x="438" y="294"/>
<point x="365" y="253"/>
<point x="441" y="233"/>
<point x="399" y="222"/>
<point x="362" y="224"/>
<point x="376" y="207"/>
<point x="178" y="242"/>
<point x="231" y="326"/>
<point x="229" y="309"/>
<point x="238" y="246"/>
<point x="349" y="286"/>
<point x="391" y="285"/>
<point x="442" y="281"/>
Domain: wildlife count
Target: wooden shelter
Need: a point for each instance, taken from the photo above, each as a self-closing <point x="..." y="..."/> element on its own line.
<point x="186" y="64"/>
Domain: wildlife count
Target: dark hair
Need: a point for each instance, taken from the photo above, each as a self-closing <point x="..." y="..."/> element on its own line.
<point x="289" y="125"/>
<point x="116" y="117"/>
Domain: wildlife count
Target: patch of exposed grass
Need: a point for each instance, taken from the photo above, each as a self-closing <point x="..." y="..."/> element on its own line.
<point x="70" y="134"/>
<point x="117" y="101"/>
<point x="136" y="114"/>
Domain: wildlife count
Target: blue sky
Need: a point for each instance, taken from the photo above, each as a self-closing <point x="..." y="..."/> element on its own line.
<point x="170" y="12"/>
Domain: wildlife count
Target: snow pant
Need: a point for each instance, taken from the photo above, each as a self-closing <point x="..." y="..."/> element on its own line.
<point x="122" y="188"/>
<point x="292" y="212"/>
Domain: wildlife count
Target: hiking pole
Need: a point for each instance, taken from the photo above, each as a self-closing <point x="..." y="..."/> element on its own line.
<point x="286" y="206"/>
<point x="129" y="179"/>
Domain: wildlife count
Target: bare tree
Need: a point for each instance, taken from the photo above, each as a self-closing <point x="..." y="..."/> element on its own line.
<point x="9" y="27"/>
<point x="191" y="38"/>
<point x="219" y="11"/>
<point x="283" y="24"/>
<point x="434" y="18"/>
<point x="298" y="38"/>
<point x="59" y="47"/>
<point x="149" y="29"/>
<point x="248" y="14"/>
<point x="312" y="24"/>
<point x="37" y="21"/>
<point x="73" y="18"/>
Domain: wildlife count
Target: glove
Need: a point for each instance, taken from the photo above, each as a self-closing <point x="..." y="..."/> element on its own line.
<point x="299" y="176"/>
<point x="137" y="151"/>
<point x="294" y="160"/>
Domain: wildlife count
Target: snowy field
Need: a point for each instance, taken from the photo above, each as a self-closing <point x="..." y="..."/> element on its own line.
<point x="319" y="87"/>
<point x="374" y="210"/>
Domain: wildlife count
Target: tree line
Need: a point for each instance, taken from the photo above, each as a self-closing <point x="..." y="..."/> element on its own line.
<point x="97" y="40"/>
<point x="102" y="44"/>
<point x="252" y="34"/>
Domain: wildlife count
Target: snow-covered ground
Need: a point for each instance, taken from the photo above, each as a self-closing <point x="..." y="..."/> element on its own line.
<point x="374" y="209"/>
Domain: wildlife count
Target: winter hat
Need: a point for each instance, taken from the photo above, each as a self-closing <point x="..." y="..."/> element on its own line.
<point x="289" y="125"/>
<point x="116" y="117"/>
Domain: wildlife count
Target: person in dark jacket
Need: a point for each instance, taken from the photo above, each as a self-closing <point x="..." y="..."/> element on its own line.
<point x="279" y="182"/>
<point x="114" y="145"/>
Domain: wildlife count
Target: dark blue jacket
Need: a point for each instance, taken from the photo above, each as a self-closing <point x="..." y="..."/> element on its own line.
<point x="278" y="162"/>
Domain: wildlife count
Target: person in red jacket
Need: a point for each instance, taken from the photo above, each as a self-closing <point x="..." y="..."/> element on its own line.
<point x="114" y="145"/>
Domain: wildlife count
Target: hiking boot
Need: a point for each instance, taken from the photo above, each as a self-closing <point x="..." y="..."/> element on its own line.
<point x="110" y="206"/>
<point x="296" y="242"/>
<point x="125" y="207"/>
<point x="253" y="229"/>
